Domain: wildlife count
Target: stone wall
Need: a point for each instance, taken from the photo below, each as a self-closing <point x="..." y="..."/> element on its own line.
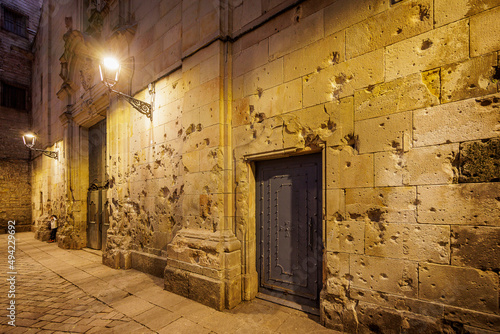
<point x="15" y="70"/>
<point x="401" y="98"/>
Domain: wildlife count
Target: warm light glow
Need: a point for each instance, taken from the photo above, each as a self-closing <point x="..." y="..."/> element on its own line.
<point x="29" y="139"/>
<point x="111" y="63"/>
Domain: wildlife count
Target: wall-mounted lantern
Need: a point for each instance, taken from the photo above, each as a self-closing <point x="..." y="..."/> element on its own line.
<point x="29" y="141"/>
<point x="109" y="69"/>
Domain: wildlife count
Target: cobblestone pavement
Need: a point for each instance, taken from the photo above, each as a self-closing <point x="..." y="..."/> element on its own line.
<point x="71" y="291"/>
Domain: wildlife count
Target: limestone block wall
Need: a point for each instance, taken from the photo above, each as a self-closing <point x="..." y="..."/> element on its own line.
<point x="402" y="99"/>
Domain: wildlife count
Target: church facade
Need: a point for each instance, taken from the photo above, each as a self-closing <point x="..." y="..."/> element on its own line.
<point x="340" y="157"/>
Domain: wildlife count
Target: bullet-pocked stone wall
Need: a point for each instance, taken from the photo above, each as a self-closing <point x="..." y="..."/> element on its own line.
<point x="403" y="100"/>
<point x="400" y="97"/>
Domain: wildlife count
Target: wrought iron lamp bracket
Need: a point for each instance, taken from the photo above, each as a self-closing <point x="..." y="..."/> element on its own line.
<point x="50" y="154"/>
<point x="142" y="107"/>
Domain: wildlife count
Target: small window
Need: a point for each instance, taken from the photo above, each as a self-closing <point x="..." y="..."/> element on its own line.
<point x="14" y="22"/>
<point x="13" y="97"/>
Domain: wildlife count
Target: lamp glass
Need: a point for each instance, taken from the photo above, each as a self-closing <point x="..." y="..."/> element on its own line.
<point x="29" y="140"/>
<point x="109" y="69"/>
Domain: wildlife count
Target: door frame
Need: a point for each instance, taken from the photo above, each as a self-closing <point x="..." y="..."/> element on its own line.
<point x="276" y="295"/>
<point x="246" y="229"/>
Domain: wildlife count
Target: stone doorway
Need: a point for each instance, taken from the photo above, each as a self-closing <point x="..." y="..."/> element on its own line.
<point x="97" y="213"/>
<point x="289" y="233"/>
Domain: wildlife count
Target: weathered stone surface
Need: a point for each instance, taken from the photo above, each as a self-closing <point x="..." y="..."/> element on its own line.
<point x="468" y="79"/>
<point x="346" y="237"/>
<point x="420" y="166"/>
<point x="480" y="161"/>
<point x="427" y="243"/>
<point x="297" y="35"/>
<point x="391" y="26"/>
<point x="345" y="169"/>
<point x="340" y="15"/>
<point x="463" y="204"/>
<point x="370" y="318"/>
<point x="335" y="204"/>
<point x="315" y="57"/>
<point x="463" y="287"/>
<point x="461" y="8"/>
<point x="383" y="274"/>
<point x="262" y="78"/>
<point x="437" y="47"/>
<point x="432" y="165"/>
<point x="341" y="80"/>
<point x="388" y="204"/>
<point x="384" y="240"/>
<point x="455" y="122"/>
<point x="484" y="31"/>
<point x="486" y="321"/>
<point x="412" y="92"/>
<point x="383" y="133"/>
<point x="148" y="263"/>
<point x="342" y="112"/>
<point x="250" y="58"/>
<point x="399" y="303"/>
<point x="476" y="247"/>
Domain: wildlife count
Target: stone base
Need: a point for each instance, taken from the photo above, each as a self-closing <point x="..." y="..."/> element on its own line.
<point x="206" y="267"/>
<point x="42" y="232"/>
<point x="373" y="318"/>
<point x="117" y="260"/>
<point x="70" y="241"/>
<point x="148" y="263"/>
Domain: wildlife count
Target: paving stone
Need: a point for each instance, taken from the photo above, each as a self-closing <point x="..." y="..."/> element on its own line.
<point x="68" y="308"/>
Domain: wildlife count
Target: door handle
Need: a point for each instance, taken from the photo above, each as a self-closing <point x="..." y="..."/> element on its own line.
<point x="311" y="231"/>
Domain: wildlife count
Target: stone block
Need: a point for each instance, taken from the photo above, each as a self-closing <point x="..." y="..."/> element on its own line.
<point x="458" y="121"/>
<point x="275" y="101"/>
<point x="210" y="68"/>
<point x="343" y="79"/>
<point x="251" y="58"/>
<point x="390" y="169"/>
<point x="464" y="204"/>
<point x="345" y="237"/>
<point x="383" y="133"/>
<point x="476" y="247"/>
<point x="384" y="239"/>
<point x="468" y="79"/>
<point x="448" y="44"/>
<point x="337" y="264"/>
<point x="399" y="303"/>
<point x="484" y="31"/>
<point x="315" y="57"/>
<point x="206" y="291"/>
<point x="427" y="243"/>
<point x="482" y="320"/>
<point x="148" y="263"/>
<point x="432" y="165"/>
<point x="176" y="281"/>
<point x="299" y="34"/>
<point x="335" y="204"/>
<point x="415" y="91"/>
<point x="391" y="26"/>
<point x="370" y="318"/>
<point x="342" y="112"/>
<point x="345" y="169"/>
<point x="382" y="274"/>
<point x="480" y="161"/>
<point x="462" y="287"/>
<point x="388" y="204"/>
<point x="262" y="78"/>
<point x="342" y="14"/>
<point x="461" y="8"/>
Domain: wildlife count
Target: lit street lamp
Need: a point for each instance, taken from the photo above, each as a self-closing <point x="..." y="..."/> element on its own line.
<point x="29" y="141"/>
<point x="109" y="69"/>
